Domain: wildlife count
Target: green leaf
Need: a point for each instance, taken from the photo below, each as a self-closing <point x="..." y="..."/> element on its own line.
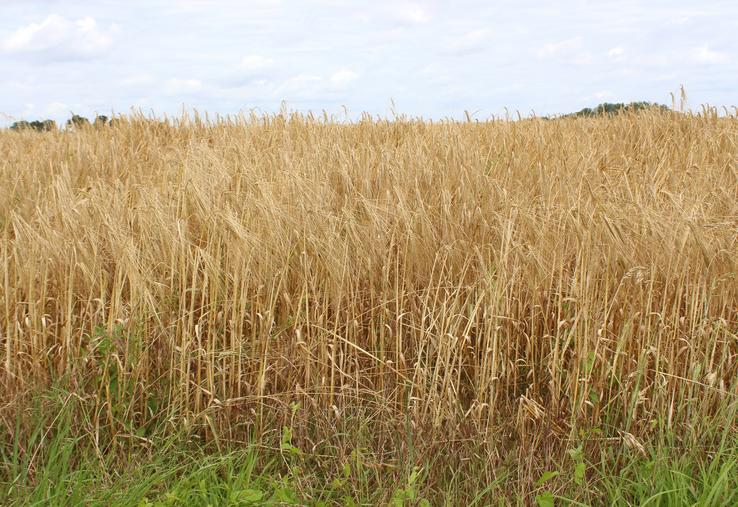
<point x="576" y="454"/>
<point x="294" y="407"/>
<point x="579" y="473"/>
<point x="590" y="362"/>
<point x="594" y="397"/>
<point x="413" y="476"/>
<point x="285" y="495"/>
<point x="545" y="499"/>
<point x="349" y="502"/>
<point x="248" y="496"/>
<point x="286" y="435"/>
<point x="546" y="476"/>
<point x="398" y="498"/>
<point x="286" y="442"/>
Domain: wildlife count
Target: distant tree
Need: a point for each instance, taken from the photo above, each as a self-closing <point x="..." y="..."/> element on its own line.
<point x="43" y="126"/>
<point x="77" y="121"/>
<point x="20" y="125"/>
<point x="37" y="125"/>
<point x="608" y="108"/>
<point x="101" y="121"/>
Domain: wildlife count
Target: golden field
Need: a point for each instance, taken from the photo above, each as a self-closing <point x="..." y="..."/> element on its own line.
<point x="491" y="292"/>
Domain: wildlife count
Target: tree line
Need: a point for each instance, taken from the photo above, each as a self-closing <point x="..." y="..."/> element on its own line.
<point x="76" y="121"/>
<point x="607" y="108"/>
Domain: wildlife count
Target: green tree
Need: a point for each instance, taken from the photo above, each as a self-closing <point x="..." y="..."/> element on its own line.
<point x="101" y="121"/>
<point x="77" y="121"/>
<point x="607" y="108"/>
<point x="37" y="125"/>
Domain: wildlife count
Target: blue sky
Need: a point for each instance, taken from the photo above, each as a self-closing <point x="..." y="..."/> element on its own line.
<point x="433" y="59"/>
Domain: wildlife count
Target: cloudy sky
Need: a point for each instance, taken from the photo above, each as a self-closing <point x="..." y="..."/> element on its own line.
<point x="432" y="58"/>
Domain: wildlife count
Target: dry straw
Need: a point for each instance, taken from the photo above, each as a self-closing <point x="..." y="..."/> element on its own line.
<point x="509" y="279"/>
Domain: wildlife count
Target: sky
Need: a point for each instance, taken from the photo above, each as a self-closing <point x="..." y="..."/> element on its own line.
<point x="431" y="59"/>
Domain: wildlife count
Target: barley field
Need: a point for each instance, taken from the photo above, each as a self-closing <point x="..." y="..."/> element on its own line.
<point x="404" y="312"/>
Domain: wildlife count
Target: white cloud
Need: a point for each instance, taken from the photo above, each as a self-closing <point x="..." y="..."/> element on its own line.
<point x="300" y="80"/>
<point x="300" y="85"/>
<point x="343" y="78"/>
<point x="254" y="63"/>
<point x="177" y="86"/>
<point x="313" y="86"/>
<point x="319" y="53"/>
<point x="564" y="47"/>
<point x="189" y="6"/>
<point x="470" y="42"/>
<point x="704" y="54"/>
<point x="56" y="108"/>
<point x="34" y="111"/>
<point x="411" y="13"/>
<point x="679" y="20"/>
<point x="138" y="80"/>
<point x="616" y="53"/>
<point x="61" y="37"/>
<point x="569" y="51"/>
<point x="250" y="70"/>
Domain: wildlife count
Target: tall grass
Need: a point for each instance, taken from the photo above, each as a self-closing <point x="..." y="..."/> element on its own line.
<point x="485" y="291"/>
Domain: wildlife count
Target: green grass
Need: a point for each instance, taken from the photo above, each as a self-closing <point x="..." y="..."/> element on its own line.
<point x="666" y="479"/>
<point x="53" y="463"/>
<point x="183" y="476"/>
